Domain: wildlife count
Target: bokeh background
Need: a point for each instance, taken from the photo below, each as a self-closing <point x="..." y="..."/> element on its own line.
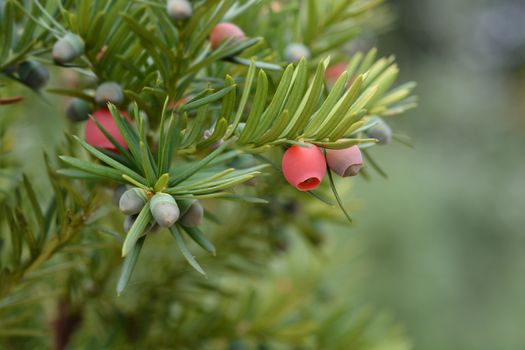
<point x="440" y="244"/>
<point x="444" y="246"/>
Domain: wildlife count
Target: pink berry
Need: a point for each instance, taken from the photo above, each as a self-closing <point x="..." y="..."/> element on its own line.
<point x="304" y="167"/>
<point x="224" y="31"/>
<point x="345" y="162"/>
<point x="96" y="138"/>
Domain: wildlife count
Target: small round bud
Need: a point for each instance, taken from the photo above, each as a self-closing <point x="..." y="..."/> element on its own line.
<point x="78" y="110"/>
<point x="33" y="74"/>
<point x="132" y="201"/>
<point x="109" y="92"/>
<point x="304" y="167"/>
<point x="224" y="31"/>
<point x="164" y="209"/>
<point x="68" y="48"/>
<point x="118" y="192"/>
<point x="179" y="9"/>
<point x="345" y="162"/>
<point x="96" y="138"/>
<point x="240" y="128"/>
<point x="295" y="51"/>
<point x="193" y="216"/>
<point x="380" y="131"/>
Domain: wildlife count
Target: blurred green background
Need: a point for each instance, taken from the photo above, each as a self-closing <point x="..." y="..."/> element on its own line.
<point x="440" y="244"/>
<point x="443" y="239"/>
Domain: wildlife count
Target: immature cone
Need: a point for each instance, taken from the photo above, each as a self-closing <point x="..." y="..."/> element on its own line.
<point x="96" y="138"/>
<point x="78" y="110"/>
<point x="179" y="9"/>
<point x="68" y="48"/>
<point x="193" y="216"/>
<point x="164" y="209"/>
<point x="224" y="31"/>
<point x="295" y="51"/>
<point x="33" y="74"/>
<point x="304" y="167"/>
<point x="109" y="92"/>
<point x="132" y="201"/>
<point x="380" y="131"/>
<point x="333" y="73"/>
<point x="345" y="162"/>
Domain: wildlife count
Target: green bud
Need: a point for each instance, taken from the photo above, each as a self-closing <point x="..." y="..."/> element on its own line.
<point x="380" y="131"/>
<point x="33" y="74"/>
<point x="109" y="92"/>
<point x="78" y="110"/>
<point x="132" y="201"/>
<point x="179" y="9"/>
<point x="68" y="48"/>
<point x="193" y="216"/>
<point x="164" y="209"/>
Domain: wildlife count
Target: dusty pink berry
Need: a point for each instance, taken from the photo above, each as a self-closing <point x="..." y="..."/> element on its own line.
<point x="224" y="31"/>
<point x="345" y="162"/>
<point x="304" y="167"/>
<point x="96" y="138"/>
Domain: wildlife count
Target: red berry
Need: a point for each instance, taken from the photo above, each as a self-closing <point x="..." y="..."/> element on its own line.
<point x="96" y="138"/>
<point x="345" y="162"/>
<point x="224" y="31"/>
<point x="332" y="73"/>
<point x="304" y="167"/>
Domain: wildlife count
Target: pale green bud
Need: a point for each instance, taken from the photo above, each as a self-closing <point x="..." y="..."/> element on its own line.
<point x="295" y="51"/>
<point x="132" y="201"/>
<point x="193" y="215"/>
<point x="109" y="92"/>
<point x="179" y="9"/>
<point x="164" y="209"/>
<point x="380" y="131"/>
<point x="68" y="48"/>
<point x="78" y="110"/>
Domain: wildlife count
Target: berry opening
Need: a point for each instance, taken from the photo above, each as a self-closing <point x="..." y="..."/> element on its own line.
<point x="309" y="184"/>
